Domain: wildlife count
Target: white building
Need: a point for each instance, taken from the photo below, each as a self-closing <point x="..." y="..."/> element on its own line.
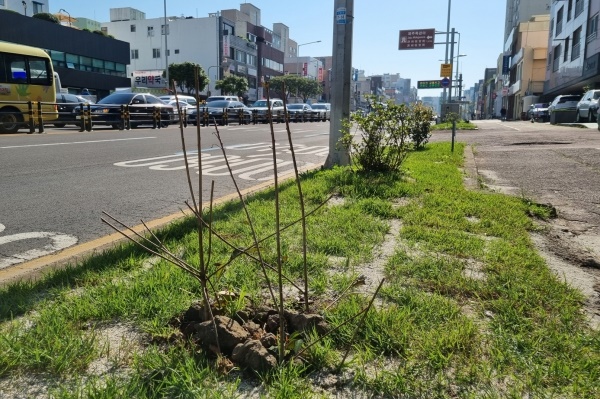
<point x="25" y="7"/>
<point x="193" y="40"/>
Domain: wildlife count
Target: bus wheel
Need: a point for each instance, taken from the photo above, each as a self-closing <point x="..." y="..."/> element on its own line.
<point x="10" y="121"/>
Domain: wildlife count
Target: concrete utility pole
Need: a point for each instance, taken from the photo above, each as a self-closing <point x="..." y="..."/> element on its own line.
<point x="340" y="87"/>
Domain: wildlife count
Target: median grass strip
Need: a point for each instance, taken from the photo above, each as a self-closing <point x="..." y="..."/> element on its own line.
<point x="468" y="309"/>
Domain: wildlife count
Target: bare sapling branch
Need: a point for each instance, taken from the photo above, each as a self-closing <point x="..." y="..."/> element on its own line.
<point x="277" y="232"/>
<point x="300" y="197"/>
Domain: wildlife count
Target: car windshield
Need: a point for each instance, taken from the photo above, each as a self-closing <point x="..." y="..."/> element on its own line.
<point x="319" y="106"/>
<point x="295" y="106"/>
<point x="218" y="104"/>
<point x="117" y="98"/>
<point x="541" y="105"/>
<point x="260" y="103"/>
<point x="596" y="95"/>
<point x="569" y="98"/>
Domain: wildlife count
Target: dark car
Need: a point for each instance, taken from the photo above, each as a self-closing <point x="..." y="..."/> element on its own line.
<point x="236" y="112"/>
<point x="66" y="103"/>
<point x="141" y="107"/>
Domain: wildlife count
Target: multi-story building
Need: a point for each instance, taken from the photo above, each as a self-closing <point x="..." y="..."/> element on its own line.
<point x="25" y="7"/>
<point x="527" y="74"/>
<point x="573" y="62"/>
<point x="82" y="59"/>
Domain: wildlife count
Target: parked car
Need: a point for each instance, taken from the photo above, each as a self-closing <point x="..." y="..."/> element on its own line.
<point x="188" y="99"/>
<point x="185" y="108"/>
<point x="587" y="107"/>
<point x="261" y="107"/>
<point x="564" y="102"/>
<point x="66" y="103"/>
<point x="216" y="110"/>
<point x="141" y="109"/>
<point x="302" y="112"/>
<point x="325" y="108"/>
<point x="222" y="98"/>
<point x="538" y="112"/>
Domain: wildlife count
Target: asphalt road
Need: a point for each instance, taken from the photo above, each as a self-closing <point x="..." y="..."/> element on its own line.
<point x="54" y="186"/>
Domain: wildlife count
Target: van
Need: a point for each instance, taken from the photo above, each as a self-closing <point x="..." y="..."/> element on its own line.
<point x="224" y="98"/>
<point x="188" y="99"/>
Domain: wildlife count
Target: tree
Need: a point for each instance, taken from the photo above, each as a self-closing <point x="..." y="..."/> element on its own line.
<point x="309" y="88"/>
<point x="46" y="17"/>
<point x="292" y="83"/>
<point x="184" y="76"/>
<point x="232" y="84"/>
<point x="296" y="85"/>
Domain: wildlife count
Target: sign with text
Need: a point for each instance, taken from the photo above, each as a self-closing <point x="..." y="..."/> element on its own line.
<point x="152" y="79"/>
<point x="429" y="84"/>
<point x="416" y="39"/>
<point x="445" y="70"/>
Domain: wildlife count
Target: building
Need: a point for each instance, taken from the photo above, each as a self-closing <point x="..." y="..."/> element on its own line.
<point x="150" y="52"/>
<point x="25" y="7"/>
<point x="573" y="62"/>
<point x="528" y="70"/>
<point x="82" y="59"/>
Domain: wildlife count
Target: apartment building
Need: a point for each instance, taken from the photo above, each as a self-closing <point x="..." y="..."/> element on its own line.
<point x="573" y="62"/>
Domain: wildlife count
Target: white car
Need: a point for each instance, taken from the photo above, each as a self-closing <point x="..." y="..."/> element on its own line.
<point x="261" y="107"/>
<point x="564" y="102"/>
<point x="587" y="107"/>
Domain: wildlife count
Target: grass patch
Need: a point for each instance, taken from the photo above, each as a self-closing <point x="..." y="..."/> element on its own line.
<point x="460" y="125"/>
<point x="434" y="330"/>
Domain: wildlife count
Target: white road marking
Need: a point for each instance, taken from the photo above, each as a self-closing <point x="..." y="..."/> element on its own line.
<point x="75" y="142"/>
<point x="59" y="241"/>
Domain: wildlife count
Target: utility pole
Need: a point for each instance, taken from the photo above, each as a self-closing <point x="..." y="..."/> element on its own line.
<point x="341" y="83"/>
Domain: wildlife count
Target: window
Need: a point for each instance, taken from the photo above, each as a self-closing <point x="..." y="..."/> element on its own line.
<point x="163" y="30"/>
<point x="569" y="9"/>
<point x="2" y="3"/>
<point x="37" y="7"/>
<point x="576" y="50"/>
<point x="559" y="19"/>
<point x="592" y="28"/>
<point x="168" y="52"/>
<point x="155" y="53"/>
<point x="555" y="62"/>
<point x="132" y="28"/>
<point x="566" y="54"/>
<point x="578" y="7"/>
<point x="177" y="51"/>
<point x="151" y="31"/>
<point x="135" y="54"/>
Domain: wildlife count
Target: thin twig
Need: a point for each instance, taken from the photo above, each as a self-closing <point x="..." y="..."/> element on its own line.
<point x="360" y="324"/>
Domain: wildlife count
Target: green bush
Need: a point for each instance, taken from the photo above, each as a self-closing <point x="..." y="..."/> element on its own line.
<point x="46" y="17"/>
<point x="388" y="133"/>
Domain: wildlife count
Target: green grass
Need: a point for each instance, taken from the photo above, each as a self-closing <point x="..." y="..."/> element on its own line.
<point x="433" y="332"/>
<point x="460" y="125"/>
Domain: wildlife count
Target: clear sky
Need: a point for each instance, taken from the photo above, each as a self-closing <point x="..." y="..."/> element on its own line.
<point x="376" y="29"/>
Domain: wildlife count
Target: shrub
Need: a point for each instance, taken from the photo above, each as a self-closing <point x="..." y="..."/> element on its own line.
<point x="46" y="17"/>
<point x="420" y="131"/>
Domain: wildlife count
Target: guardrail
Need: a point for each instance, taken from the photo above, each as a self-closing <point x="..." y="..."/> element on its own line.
<point x="15" y="115"/>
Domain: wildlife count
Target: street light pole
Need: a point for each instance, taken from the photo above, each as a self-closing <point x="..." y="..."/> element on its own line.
<point x="63" y="10"/>
<point x="166" y="46"/>
<point x="298" y="54"/>
<point x="209" y="68"/>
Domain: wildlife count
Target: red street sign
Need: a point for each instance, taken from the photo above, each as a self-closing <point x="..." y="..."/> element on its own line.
<point x="416" y="39"/>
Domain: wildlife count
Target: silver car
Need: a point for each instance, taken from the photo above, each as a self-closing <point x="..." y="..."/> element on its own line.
<point x="587" y="107"/>
<point x="324" y="108"/>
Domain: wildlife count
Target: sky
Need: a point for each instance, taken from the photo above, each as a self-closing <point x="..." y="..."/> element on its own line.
<point x="377" y="24"/>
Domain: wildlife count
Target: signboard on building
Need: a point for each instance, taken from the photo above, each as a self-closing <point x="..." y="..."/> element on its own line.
<point x="416" y="39"/>
<point x="150" y="79"/>
<point x="226" y="46"/>
<point x="505" y="65"/>
<point x="340" y="16"/>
